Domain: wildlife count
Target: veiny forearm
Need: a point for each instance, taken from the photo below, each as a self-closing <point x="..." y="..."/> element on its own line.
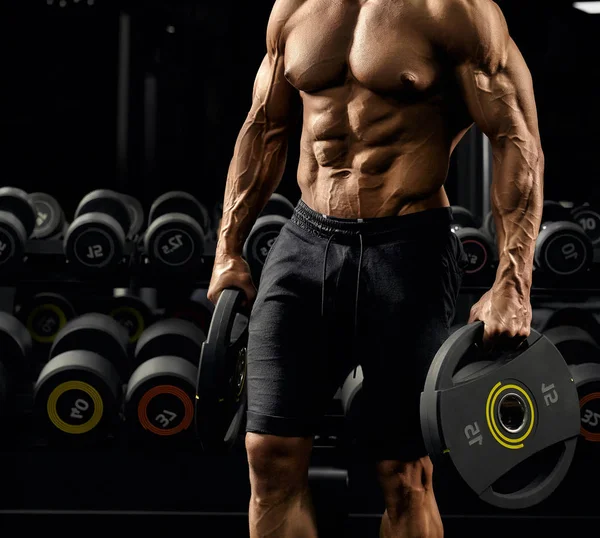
<point x="254" y="173"/>
<point x="517" y="202"/>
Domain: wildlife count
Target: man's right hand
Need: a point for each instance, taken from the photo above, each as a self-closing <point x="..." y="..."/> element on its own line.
<point x="231" y="272"/>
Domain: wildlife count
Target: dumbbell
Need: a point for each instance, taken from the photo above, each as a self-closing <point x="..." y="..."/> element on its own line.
<point x="160" y="395"/>
<point x="44" y="314"/>
<point x="15" y="351"/>
<point x="477" y="243"/>
<point x="131" y="311"/>
<point x="265" y="231"/>
<point x="576" y="334"/>
<point x="588" y="217"/>
<point x="562" y="247"/>
<point x="95" y="240"/>
<point x="17" y="222"/>
<point x="197" y="309"/>
<point x="177" y="230"/>
<point x="78" y="393"/>
<point x="50" y="222"/>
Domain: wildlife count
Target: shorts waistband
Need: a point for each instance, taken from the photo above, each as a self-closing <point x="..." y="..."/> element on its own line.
<point x="413" y="225"/>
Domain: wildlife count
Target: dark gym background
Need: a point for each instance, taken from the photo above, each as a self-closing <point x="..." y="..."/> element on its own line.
<point x="101" y="93"/>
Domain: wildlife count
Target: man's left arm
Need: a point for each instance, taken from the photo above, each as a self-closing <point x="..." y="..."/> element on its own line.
<point x="498" y="91"/>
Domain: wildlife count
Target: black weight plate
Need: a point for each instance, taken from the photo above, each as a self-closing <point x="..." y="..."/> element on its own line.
<point x="563" y="248"/>
<point x="12" y="240"/>
<point x="278" y="205"/>
<point x="77" y="395"/>
<point x="45" y="314"/>
<point x="587" y="381"/>
<point x="98" y="333"/>
<point x="589" y="219"/>
<point x="132" y="313"/>
<point x="574" y="317"/>
<point x="16" y="201"/>
<point x="180" y="202"/>
<point x="574" y="344"/>
<point x="174" y="241"/>
<point x="177" y="337"/>
<point x="160" y="397"/>
<point x="468" y="420"/>
<point x="15" y="345"/>
<point x="94" y="241"/>
<point x="108" y="202"/>
<point x="260" y="240"/>
<point x="50" y="218"/>
<point x="221" y="384"/>
<point x="462" y="218"/>
<point x="477" y="248"/>
<point x="136" y="215"/>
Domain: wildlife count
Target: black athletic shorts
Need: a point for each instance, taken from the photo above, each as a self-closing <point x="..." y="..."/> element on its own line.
<point x="335" y="293"/>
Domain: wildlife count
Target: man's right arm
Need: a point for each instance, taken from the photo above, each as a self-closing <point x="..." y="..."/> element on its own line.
<point x="260" y="150"/>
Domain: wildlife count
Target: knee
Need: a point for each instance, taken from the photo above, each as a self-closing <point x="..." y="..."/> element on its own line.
<point x="405" y="484"/>
<point x="278" y="465"/>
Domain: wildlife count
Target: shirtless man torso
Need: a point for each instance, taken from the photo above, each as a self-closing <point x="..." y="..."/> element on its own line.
<point x="387" y="89"/>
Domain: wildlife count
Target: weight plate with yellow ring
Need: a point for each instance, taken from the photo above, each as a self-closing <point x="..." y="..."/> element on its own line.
<point x="508" y="425"/>
<point x="77" y="396"/>
<point x="44" y="315"/>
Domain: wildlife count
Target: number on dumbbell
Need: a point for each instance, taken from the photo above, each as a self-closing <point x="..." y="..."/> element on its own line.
<point x="165" y="418"/>
<point x="41" y="219"/>
<point x="175" y="242"/>
<point x="2" y="247"/>
<point x="473" y="434"/>
<point x="80" y="405"/>
<point x="95" y="251"/>
<point x="591" y="418"/>
<point x="48" y="326"/>
<point x="569" y="251"/>
<point x="587" y="223"/>
<point x="549" y="397"/>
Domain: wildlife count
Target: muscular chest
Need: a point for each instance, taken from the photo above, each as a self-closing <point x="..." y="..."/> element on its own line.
<point x="379" y="43"/>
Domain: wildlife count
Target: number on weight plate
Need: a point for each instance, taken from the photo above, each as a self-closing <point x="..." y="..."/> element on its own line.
<point x="473" y="434"/>
<point x="80" y="405"/>
<point x="165" y="418"/>
<point x="550" y="394"/>
<point x="95" y="251"/>
<point x="588" y="223"/>
<point x="41" y="219"/>
<point x="590" y="418"/>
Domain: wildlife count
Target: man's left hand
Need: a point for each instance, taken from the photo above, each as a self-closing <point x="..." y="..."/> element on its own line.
<point x="506" y="315"/>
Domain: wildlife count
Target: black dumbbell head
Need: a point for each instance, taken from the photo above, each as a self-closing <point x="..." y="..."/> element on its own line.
<point x="171" y="336"/>
<point x="132" y="313"/>
<point x="477" y="247"/>
<point x="106" y="201"/>
<point x="15" y="345"/>
<point x="44" y="315"/>
<point x="555" y="212"/>
<point x="462" y="218"/>
<point x="77" y="396"/>
<point x="50" y="218"/>
<point x="260" y="240"/>
<point x="563" y="249"/>
<point x="588" y="217"/>
<point x="180" y="202"/>
<point x="98" y="333"/>
<point x="278" y="205"/>
<point x="16" y="201"/>
<point x="159" y="402"/>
